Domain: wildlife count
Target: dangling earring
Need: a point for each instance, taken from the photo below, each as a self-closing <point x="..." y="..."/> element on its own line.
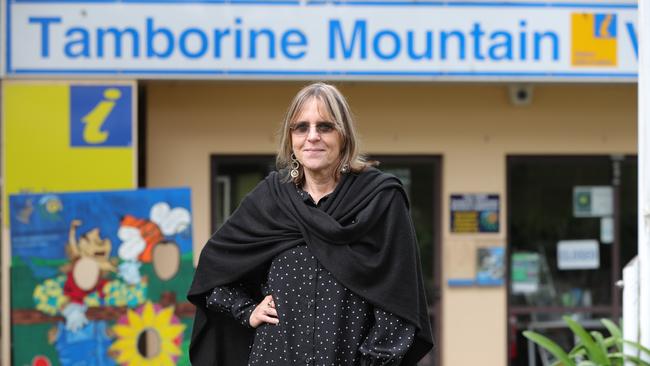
<point x="345" y="168"/>
<point x="295" y="164"/>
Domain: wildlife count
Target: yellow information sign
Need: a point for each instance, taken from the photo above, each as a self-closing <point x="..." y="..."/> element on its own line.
<point x="594" y="41"/>
<point x="62" y="136"/>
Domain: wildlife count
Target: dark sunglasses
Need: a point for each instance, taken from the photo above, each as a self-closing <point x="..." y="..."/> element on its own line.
<point x="302" y="128"/>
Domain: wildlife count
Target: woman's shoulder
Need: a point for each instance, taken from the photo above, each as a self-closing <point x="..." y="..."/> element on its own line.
<point x="263" y="187"/>
<point x="273" y="182"/>
<point x="373" y="174"/>
<point x="375" y="181"/>
<point x="277" y="175"/>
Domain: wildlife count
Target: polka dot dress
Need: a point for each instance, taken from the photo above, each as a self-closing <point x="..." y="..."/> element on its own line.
<point x="320" y="321"/>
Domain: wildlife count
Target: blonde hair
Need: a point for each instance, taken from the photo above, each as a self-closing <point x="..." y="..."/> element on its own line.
<point x="334" y="107"/>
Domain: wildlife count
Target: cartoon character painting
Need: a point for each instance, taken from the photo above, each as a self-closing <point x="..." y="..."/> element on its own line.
<point x="91" y="282"/>
<point x="86" y="272"/>
<point x="140" y="237"/>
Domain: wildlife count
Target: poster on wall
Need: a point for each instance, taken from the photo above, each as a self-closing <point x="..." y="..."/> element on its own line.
<point x="490" y="268"/>
<point x="578" y="254"/>
<point x="593" y="201"/>
<point x="99" y="278"/>
<point x="525" y="272"/>
<point x="474" y="213"/>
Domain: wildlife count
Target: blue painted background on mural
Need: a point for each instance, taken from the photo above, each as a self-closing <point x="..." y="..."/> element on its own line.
<point x="50" y="215"/>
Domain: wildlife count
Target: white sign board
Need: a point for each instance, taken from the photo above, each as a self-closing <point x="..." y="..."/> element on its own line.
<point x="578" y="254"/>
<point x="307" y="40"/>
<point x="593" y="201"/>
<point x="631" y="306"/>
<point x="607" y="230"/>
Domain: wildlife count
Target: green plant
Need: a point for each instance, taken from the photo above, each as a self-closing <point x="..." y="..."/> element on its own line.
<point x="592" y="348"/>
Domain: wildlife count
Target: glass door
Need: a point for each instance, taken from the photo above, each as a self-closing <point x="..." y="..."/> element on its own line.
<point x="571" y="228"/>
<point x="232" y="178"/>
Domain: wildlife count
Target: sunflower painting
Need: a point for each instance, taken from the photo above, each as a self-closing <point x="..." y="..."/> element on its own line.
<point x="150" y="335"/>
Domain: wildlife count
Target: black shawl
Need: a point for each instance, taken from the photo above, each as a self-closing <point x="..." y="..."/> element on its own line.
<point x="363" y="235"/>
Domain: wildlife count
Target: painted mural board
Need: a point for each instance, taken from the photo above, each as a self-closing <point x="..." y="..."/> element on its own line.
<point x="99" y="278"/>
<point x="63" y="136"/>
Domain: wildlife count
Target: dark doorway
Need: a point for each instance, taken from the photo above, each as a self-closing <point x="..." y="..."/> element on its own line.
<point x="558" y="207"/>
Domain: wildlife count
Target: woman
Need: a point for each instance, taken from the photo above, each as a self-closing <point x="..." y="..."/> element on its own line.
<point x="319" y="264"/>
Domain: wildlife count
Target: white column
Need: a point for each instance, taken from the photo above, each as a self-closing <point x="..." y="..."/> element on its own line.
<point x="644" y="170"/>
<point x="631" y="307"/>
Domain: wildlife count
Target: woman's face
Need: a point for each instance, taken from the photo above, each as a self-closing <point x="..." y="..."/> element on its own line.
<point x="315" y="140"/>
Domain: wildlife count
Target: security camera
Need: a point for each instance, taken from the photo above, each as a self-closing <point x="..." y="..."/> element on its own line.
<point x="520" y="94"/>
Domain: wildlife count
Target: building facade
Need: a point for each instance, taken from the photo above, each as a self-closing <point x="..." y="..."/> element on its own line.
<point x="513" y="128"/>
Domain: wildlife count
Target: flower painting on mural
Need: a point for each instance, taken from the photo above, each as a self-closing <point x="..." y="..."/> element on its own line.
<point x="149" y="335"/>
<point x="95" y="277"/>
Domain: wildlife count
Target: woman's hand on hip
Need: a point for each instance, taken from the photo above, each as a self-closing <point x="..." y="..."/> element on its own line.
<point x="264" y="313"/>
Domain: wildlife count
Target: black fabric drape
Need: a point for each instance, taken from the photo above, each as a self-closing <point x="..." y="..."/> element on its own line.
<point x="363" y="235"/>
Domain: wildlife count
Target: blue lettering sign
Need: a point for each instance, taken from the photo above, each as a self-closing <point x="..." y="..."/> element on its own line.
<point x="631" y="32"/>
<point x="477" y="33"/>
<point x="45" y="32"/>
<point x="555" y="44"/>
<point x="202" y="39"/>
<point x="77" y="43"/>
<point x="501" y="50"/>
<point x="444" y="36"/>
<point x="294" y="38"/>
<point x="394" y="43"/>
<point x="167" y="38"/>
<point x="428" y="46"/>
<point x="270" y="38"/>
<point x="336" y="37"/>
<point x="117" y="41"/>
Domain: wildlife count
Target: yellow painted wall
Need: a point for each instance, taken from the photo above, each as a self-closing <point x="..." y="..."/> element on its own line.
<point x="40" y="137"/>
<point x="472" y="126"/>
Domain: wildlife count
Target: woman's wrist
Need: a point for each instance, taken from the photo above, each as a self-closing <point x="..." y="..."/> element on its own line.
<point x="245" y="316"/>
<point x="264" y="312"/>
